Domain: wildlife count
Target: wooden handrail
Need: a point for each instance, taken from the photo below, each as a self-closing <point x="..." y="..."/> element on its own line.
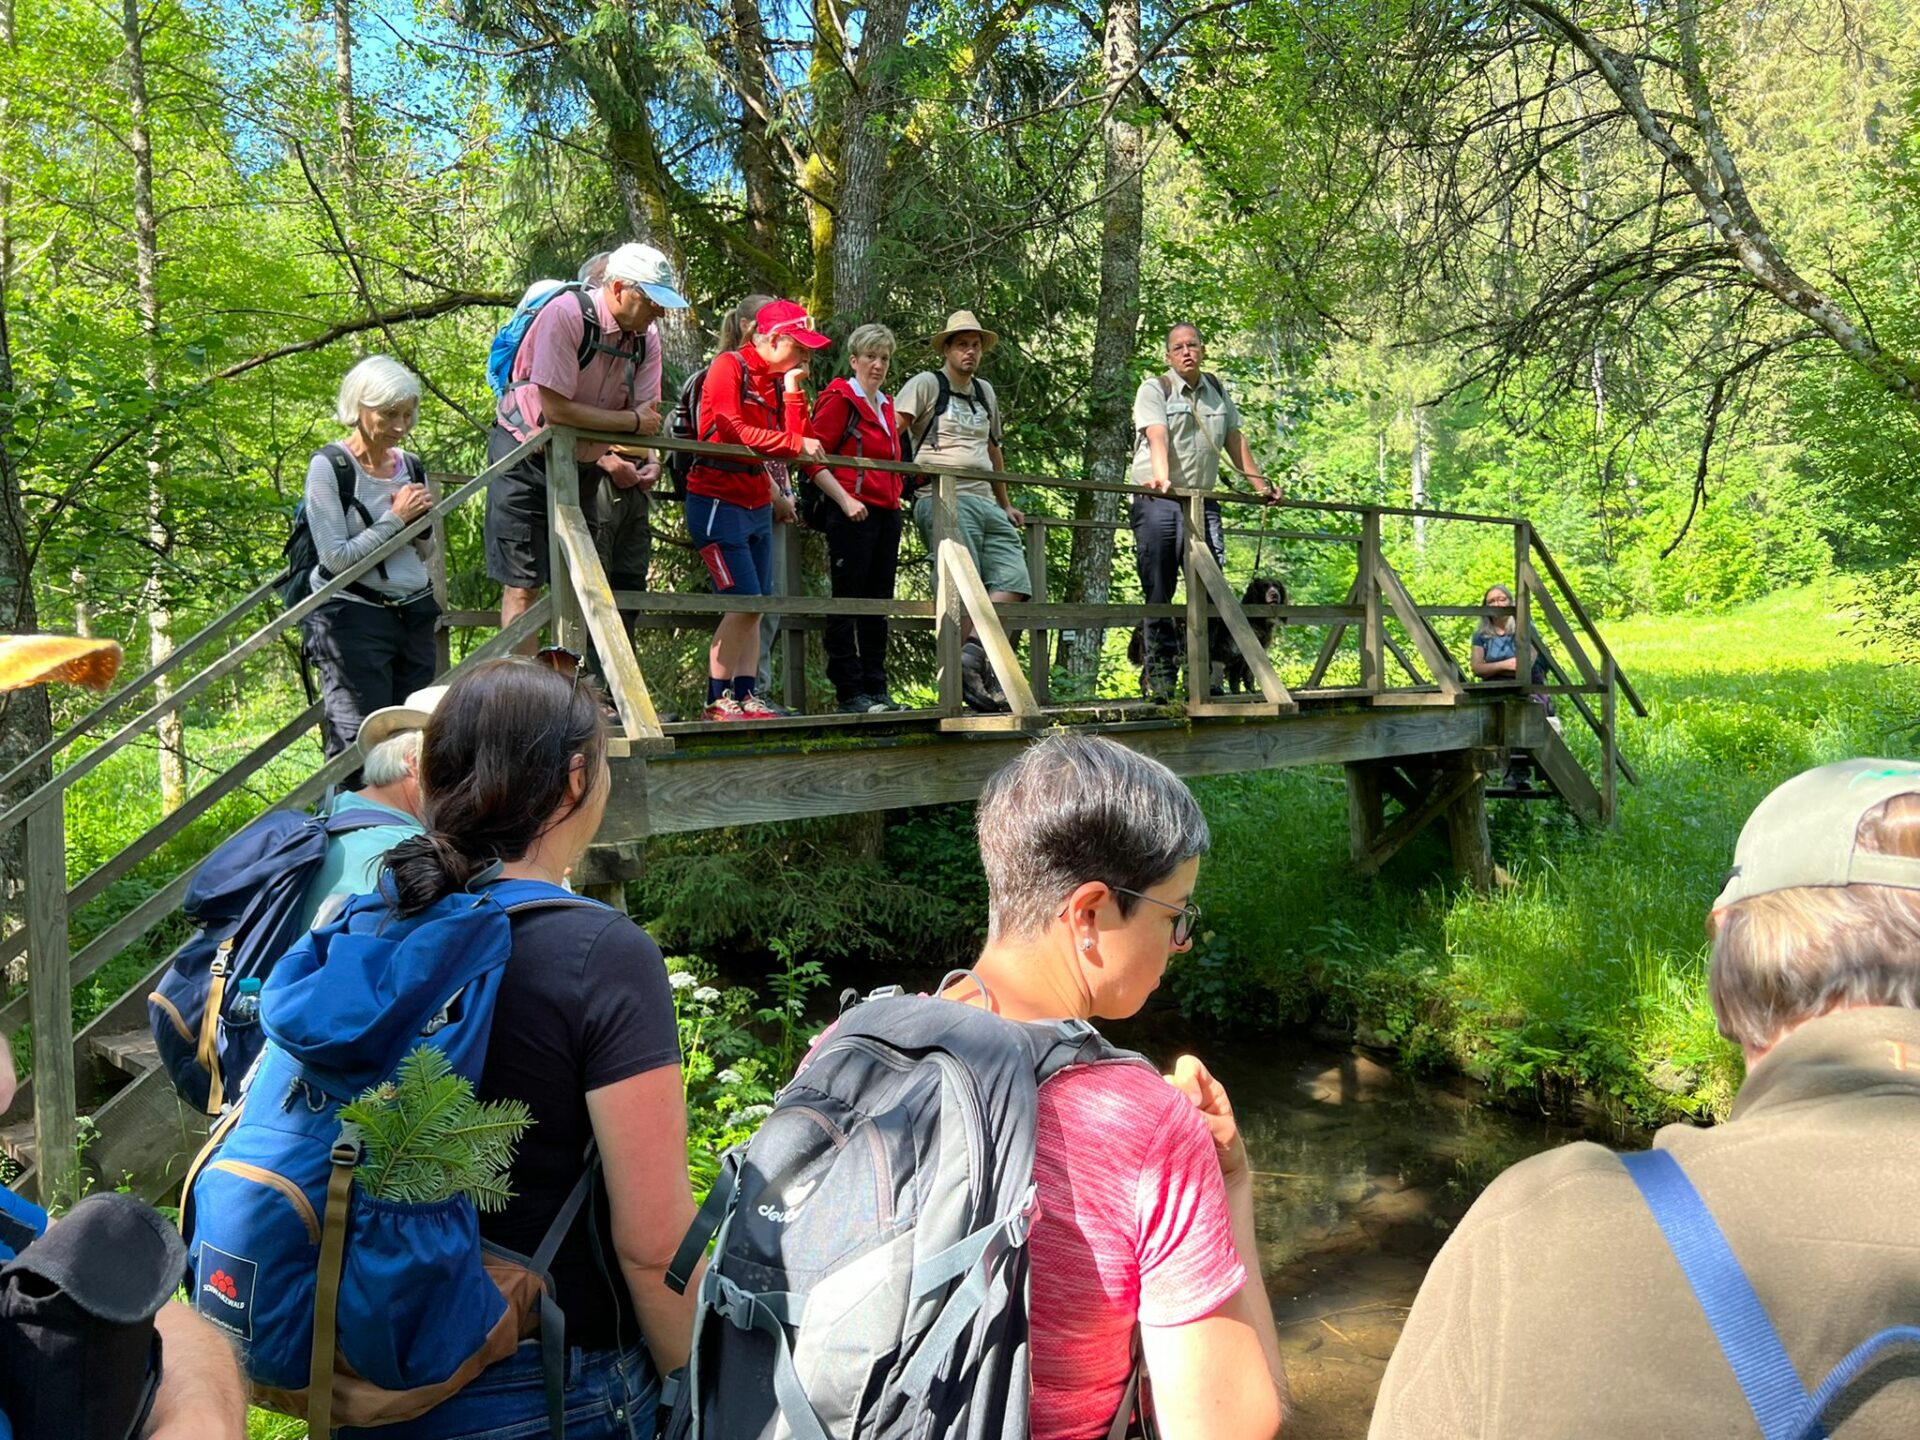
<point x="1586" y="623"/>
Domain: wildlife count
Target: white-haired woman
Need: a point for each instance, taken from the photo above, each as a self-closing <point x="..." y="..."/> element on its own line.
<point x="372" y="644"/>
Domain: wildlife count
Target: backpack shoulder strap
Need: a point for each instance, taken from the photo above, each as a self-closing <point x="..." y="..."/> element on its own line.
<point x="993" y="409"/>
<point x="589" y="326"/>
<point x="924" y="425"/>
<point x="344" y="478"/>
<point x="1165" y="382"/>
<point x="1740" y="1322"/>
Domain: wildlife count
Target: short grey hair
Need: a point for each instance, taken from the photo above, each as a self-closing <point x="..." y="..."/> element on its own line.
<point x="1075" y="808"/>
<point x="377" y="382"/>
<point x="593" y="269"/>
<point x="870" y="340"/>
<point x="392" y="760"/>
<point x="1173" y="330"/>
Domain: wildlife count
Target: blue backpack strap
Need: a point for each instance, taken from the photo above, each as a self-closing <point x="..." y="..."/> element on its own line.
<point x="1740" y="1323"/>
<point x="1858" y="1359"/>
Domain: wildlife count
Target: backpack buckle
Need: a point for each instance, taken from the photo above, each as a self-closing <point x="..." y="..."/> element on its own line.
<point x="346" y="1150"/>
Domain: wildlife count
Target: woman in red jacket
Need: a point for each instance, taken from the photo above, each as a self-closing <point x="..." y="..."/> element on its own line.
<point x="732" y="504"/>
<point x="854" y="416"/>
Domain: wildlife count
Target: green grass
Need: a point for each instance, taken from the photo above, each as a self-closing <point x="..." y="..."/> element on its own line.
<point x="1586" y="973"/>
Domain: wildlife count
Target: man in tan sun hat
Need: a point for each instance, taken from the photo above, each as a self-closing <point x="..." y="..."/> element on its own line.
<point x="953" y="418"/>
<point x="1562" y="1304"/>
<point x="389" y="744"/>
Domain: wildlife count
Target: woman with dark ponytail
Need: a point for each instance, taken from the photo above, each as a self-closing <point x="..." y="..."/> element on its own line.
<point x="513" y="770"/>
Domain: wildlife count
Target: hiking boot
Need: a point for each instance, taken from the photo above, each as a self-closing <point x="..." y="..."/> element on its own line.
<point x="882" y="700"/>
<point x="858" y="705"/>
<point x="754" y="708"/>
<point x="976" y="687"/>
<point x="725" y="708"/>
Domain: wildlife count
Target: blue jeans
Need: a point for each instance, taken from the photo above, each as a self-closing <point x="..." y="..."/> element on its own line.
<point x="735" y="542"/>
<point x="610" y="1396"/>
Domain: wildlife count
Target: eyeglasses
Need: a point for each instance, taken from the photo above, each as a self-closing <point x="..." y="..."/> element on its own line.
<point x="563" y="662"/>
<point x="1186" y="916"/>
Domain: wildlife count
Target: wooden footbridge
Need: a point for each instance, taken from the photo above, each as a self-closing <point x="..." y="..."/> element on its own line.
<point x="1384" y="696"/>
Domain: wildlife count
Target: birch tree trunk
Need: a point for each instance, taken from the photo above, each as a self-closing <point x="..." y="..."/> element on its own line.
<point x="146" y="270"/>
<point x="1109" y="420"/>
<point x="343" y="103"/>
<point x="1417" y="475"/>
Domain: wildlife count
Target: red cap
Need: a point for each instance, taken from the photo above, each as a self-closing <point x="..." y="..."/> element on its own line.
<point x="783" y="317"/>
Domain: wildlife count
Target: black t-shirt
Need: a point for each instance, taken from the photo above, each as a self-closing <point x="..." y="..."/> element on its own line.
<point x="584" y="1003"/>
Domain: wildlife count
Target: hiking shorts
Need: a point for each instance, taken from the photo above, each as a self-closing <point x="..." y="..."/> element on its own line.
<point x="610" y="1395"/>
<point x="990" y="537"/>
<point x="516" y="528"/>
<point x="735" y="542"/>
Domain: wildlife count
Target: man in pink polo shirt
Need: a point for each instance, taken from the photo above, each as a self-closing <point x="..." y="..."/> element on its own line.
<point x="599" y="376"/>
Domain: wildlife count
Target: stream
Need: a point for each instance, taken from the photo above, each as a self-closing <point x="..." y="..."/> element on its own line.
<point x="1359" y="1175"/>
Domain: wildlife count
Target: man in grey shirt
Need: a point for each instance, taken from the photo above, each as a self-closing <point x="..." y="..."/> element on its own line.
<point x="1186" y="424"/>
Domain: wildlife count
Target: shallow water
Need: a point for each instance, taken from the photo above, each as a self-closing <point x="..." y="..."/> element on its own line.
<point x="1359" y="1175"/>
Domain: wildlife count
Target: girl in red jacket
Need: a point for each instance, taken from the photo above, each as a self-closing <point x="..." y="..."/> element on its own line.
<point x="752" y="397"/>
<point x="855" y="417"/>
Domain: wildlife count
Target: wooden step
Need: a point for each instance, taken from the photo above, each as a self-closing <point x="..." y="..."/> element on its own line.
<point x="1508" y="792"/>
<point x="17" y="1142"/>
<point x="132" y="1052"/>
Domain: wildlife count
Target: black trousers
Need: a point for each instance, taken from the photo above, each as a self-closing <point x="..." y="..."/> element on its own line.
<point x="368" y="656"/>
<point x="1159" y="525"/>
<point x="863" y="557"/>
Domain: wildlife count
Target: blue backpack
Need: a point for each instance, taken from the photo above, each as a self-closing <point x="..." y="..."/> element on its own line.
<point x="506" y="344"/>
<point x="248" y="898"/>
<point x="1780" y="1402"/>
<point x="400" y="1305"/>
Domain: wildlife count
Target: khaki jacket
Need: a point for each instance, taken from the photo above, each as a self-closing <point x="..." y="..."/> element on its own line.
<point x="1556" y="1309"/>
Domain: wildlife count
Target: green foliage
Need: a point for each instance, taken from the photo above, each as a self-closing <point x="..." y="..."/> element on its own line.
<point x="730" y="1073"/>
<point x="1586" y="972"/>
<point x="831" y="888"/>
<point x="427" y="1139"/>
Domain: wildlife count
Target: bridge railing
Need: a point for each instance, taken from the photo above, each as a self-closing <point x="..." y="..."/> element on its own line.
<point x="583" y="613"/>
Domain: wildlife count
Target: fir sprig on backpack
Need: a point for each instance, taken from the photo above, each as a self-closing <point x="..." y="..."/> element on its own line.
<point x="425" y="1138"/>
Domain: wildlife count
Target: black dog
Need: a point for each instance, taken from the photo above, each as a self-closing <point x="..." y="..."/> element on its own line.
<point x="1239" y="675"/>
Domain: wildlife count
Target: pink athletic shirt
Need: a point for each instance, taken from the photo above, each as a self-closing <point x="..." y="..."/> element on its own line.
<point x="550" y="355"/>
<point x="1133" y="1224"/>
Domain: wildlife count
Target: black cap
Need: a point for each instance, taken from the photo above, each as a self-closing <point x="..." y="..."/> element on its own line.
<point x="115" y="1258"/>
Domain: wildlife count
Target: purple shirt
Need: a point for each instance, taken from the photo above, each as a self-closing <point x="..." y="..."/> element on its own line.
<point x="549" y="355"/>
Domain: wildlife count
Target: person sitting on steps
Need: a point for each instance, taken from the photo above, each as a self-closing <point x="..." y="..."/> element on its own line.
<point x="1146" y="1200"/>
<point x="1495" y="656"/>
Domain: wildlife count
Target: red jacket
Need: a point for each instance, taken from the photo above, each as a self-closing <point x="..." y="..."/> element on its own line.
<point x="769" y="423"/>
<point x="847" y="425"/>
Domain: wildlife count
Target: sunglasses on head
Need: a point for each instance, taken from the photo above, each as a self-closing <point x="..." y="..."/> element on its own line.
<point x="563" y="662"/>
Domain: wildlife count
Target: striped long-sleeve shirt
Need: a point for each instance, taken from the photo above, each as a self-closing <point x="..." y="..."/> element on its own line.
<point x="342" y="538"/>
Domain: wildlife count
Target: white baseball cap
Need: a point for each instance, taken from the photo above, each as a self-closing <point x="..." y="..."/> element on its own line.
<point x="646" y="267"/>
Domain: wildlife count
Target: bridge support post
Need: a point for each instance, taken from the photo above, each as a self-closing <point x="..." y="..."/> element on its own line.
<point x="50" y="999"/>
<point x="1449" y="787"/>
<point x="793" y="639"/>
<point x="1467" y="830"/>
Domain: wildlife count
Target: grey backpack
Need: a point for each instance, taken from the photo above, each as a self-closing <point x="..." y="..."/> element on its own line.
<point x="869" y="1275"/>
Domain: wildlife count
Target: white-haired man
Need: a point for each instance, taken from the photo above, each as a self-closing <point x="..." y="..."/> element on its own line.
<point x="1686" y="1290"/>
<point x="390" y="781"/>
<point x="591" y="362"/>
